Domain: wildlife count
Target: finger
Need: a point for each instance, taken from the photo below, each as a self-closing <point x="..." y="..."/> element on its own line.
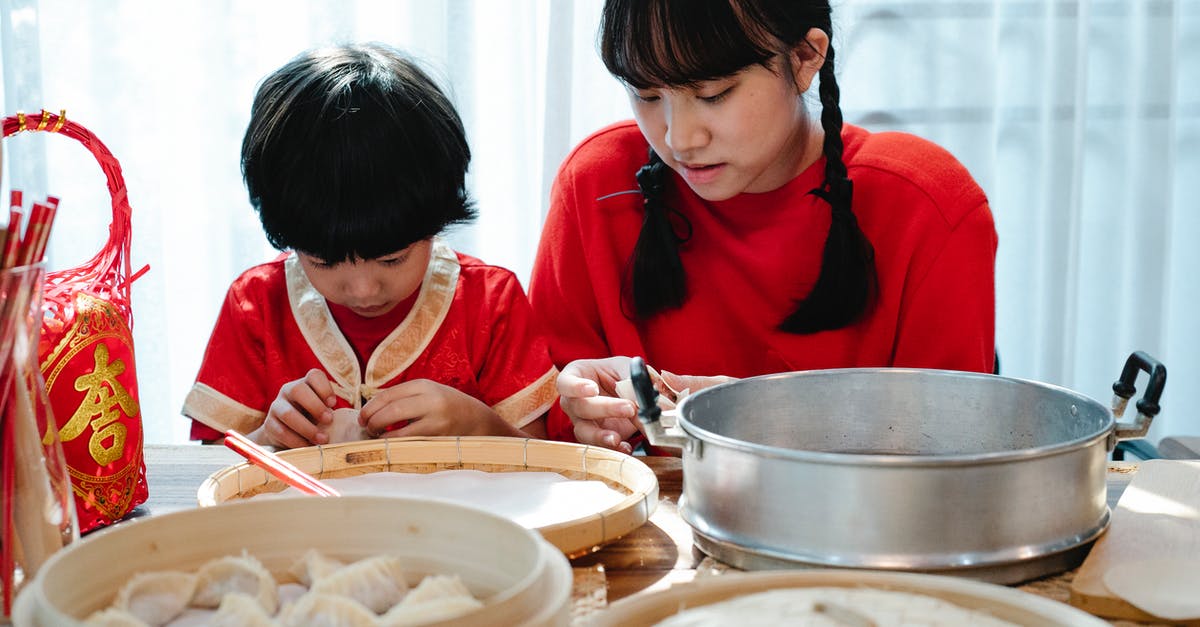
<point x="292" y="421"/>
<point x="395" y="393"/>
<point x="604" y="373"/>
<point x="418" y="427"/>
<point x="305" y="399"/>
<point x="282" y="435"/>
<point x="598" y="408"/>
<point x="588" y="432"/>
<point x="676" y="382"/>
<point x="624" y="429"/>
<point x="407" y="408"/>
<point x="606" y="438"/>
<point x="693" y="383"/>
<point x="321" y="386"/>
<point x="571" y="384"/>
<point x="377" y="402"/>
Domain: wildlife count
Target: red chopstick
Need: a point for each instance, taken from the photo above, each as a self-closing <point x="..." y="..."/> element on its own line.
<point x="8" y="473"/>
<point x="276" y="465"/>
<point x="12" y="240"/>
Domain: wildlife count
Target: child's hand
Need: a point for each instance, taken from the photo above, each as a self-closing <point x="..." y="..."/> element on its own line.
<point x="293" y="417"/>
<point x="432" y="409"/>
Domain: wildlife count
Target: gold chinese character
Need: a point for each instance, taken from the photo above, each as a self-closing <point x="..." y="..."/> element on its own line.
<point x="102" y="395"/>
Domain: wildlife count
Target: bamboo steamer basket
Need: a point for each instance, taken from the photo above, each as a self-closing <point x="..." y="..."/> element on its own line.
<point x="574" y="537"/>
<point x="1007" y="604"/>
<point x="522" y="579"/>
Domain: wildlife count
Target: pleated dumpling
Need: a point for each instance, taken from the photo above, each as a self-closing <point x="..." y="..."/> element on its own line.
<point x="434" y="587"/>
<point x="376" y="582"/>
<point x="113" y="617"/>
<point x="316" y="609"/>
<point x="156" y="598"/>
<point x="344" y="427"/>
<point x="436" y="598"/>
<point x="289" y="593"/>
<point x="244" y="574"/>
<point x="312" y="566"/>
<point x="240" y="610"/>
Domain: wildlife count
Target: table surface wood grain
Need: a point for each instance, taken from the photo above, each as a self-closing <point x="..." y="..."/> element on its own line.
<point x="652" y="557"/>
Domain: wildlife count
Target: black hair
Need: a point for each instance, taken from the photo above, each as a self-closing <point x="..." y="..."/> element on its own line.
<point x="354" y="152"/>
<point x="654" y="43"/>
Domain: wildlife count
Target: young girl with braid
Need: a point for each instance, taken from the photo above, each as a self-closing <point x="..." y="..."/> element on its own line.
<point x="740" y="228"/>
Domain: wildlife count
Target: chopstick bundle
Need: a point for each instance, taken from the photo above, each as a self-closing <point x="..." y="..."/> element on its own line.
<point x="278" y="467"/>
<point x="30" y="247"/>
<point x="32" y="519"/>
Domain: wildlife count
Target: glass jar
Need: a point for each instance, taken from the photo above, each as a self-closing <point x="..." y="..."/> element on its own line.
<point x="36" y="505"/>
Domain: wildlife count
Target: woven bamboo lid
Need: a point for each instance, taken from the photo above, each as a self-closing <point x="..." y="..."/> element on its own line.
<point x="573" y="537"/>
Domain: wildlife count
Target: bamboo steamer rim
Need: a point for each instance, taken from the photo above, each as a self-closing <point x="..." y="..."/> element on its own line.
<point x="516" y="577"/>
<point x="1001" y="602"/>
<point x="575" y="537"/>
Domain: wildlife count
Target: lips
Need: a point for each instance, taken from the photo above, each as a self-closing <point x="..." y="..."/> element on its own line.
<point x="698" y="174"/>
<point x="374" y="310"/>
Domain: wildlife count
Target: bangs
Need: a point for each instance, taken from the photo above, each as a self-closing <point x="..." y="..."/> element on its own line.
<point x="655" y="43"/>
<point x="363" y="190"/>
<point x="355" y="157"/>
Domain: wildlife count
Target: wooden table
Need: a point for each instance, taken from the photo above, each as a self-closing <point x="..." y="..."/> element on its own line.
<point x="650" y="558"/>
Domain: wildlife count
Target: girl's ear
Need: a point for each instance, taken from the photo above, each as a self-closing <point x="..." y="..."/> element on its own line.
<point x="807" y="58"/>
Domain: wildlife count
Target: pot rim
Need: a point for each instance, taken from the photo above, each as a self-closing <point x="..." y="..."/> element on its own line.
<point x="880" y="459"/>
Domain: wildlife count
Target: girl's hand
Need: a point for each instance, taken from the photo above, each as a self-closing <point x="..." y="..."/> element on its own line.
<point x="587" y="390"/>
<point x="588" y="395"/>
<point x="299" y="407"/>
<point x="431" y="409"/>
<point x="679" y="382"/>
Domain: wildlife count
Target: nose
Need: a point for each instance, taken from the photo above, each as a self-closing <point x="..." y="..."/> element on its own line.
<point x="361" y="287"/>
<point x="686" y="131"/>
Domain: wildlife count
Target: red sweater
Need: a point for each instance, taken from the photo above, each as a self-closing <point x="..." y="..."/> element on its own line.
<point x="753" y="257"/>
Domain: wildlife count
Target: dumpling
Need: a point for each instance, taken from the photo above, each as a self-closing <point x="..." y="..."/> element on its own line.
<point x="113" y="617"/>
<point x="435" y="587"/>
<point x="436" y="598"/>
<point x="289" y="593"/>
<point x="316" y="609"/>
<point x="376" y="582"/>
<point x="156" y="598"/>
<point x="344" y="427"/>
<point x="432" y="611"/>
<point x="244" y="574"/>
<point x="240" y="610"/>
<point x="193" y="617"/>
<point x="312" y="566"/>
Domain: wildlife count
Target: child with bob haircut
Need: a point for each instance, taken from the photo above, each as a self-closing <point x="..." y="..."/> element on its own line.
<point x="356" y="161"/>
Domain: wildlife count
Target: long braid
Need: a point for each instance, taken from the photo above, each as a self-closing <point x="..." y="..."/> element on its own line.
<point x="847" y="282"/>
<point x="655" y="278"/>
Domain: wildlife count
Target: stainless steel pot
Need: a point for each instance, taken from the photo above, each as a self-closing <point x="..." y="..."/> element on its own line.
<point x="995" y="478"/>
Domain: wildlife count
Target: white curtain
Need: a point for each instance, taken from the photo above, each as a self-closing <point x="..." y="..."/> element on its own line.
<point x="1079" y="118"/>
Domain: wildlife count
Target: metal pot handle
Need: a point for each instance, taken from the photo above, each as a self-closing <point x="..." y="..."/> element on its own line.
<point x="648" y="411"/>
<point x="1147" y="406"/>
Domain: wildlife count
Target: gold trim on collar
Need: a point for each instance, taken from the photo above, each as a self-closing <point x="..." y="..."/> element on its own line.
<point x="321" y="332"/>
<point x="397" y="351"/>
<point x="404" y="344"/>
